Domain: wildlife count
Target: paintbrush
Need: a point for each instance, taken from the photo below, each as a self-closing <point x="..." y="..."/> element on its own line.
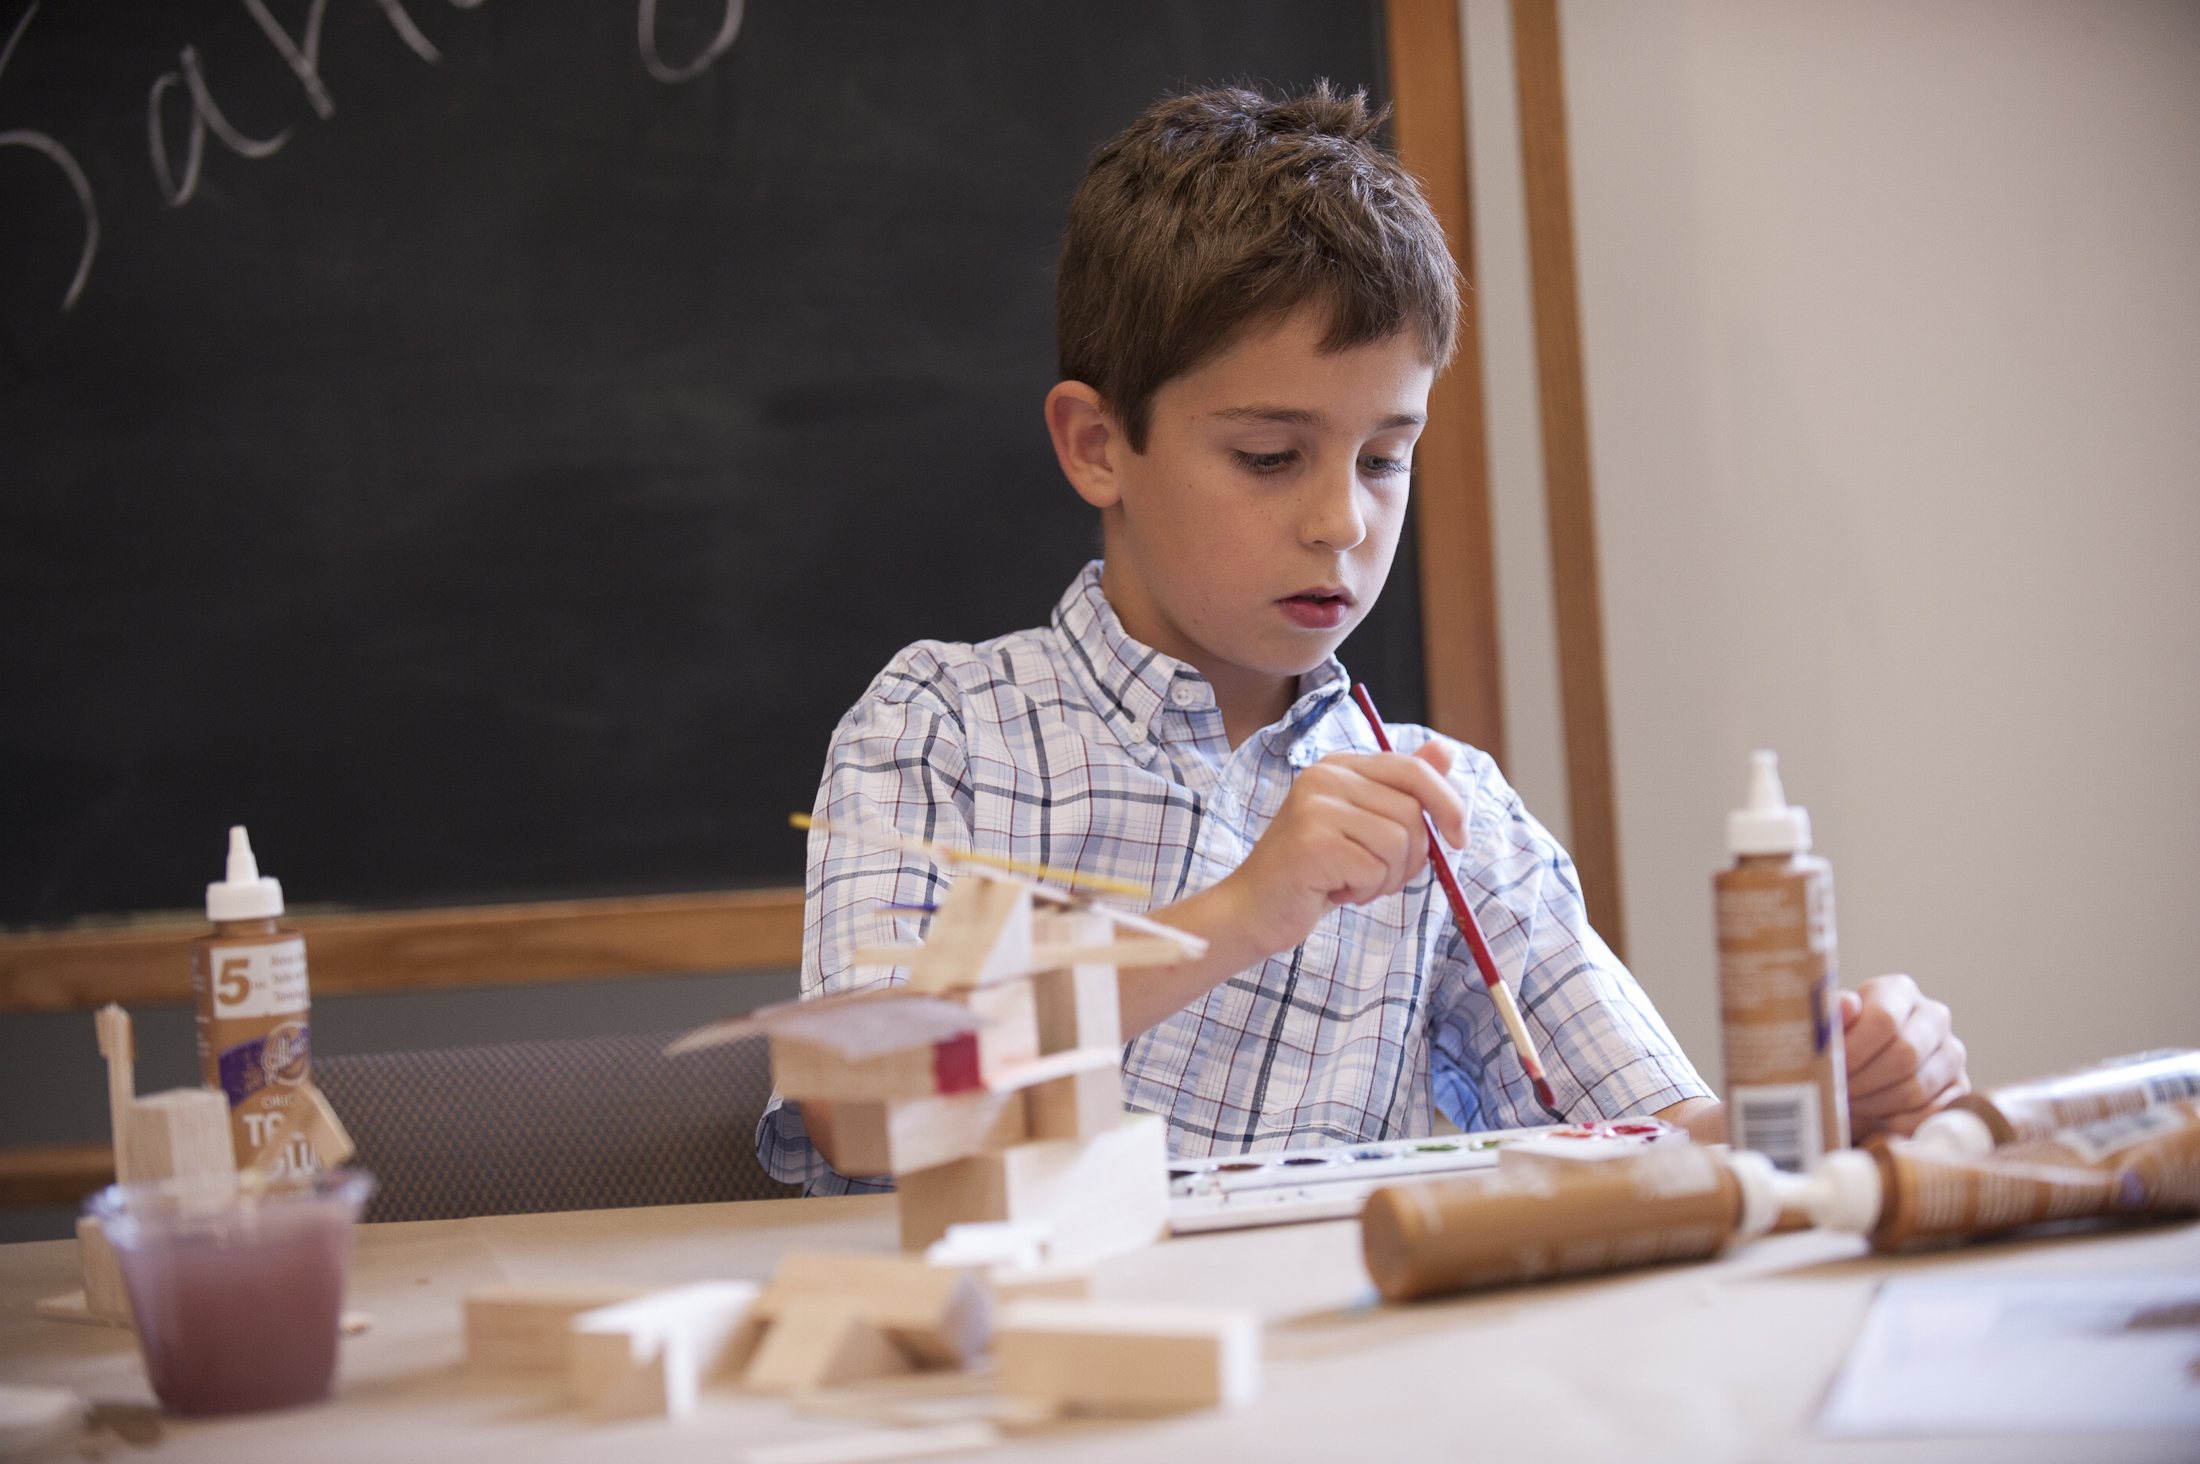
<point x="1471" y="928"/>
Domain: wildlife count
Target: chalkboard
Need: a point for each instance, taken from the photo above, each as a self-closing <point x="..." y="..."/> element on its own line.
<point x="488" y="445"/>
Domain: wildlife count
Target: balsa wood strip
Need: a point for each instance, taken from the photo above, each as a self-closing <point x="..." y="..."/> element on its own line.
<point x="1568" y="492"/>
<point x="485" y="945"/>
<point x="1451" y="466"/>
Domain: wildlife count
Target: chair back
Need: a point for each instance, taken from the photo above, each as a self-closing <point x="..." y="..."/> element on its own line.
<point x="597" y="1123"/>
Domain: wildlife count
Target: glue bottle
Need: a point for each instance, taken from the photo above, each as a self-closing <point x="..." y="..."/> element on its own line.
<point x="1779" y="993"/>
<point x="255" y="1043"/>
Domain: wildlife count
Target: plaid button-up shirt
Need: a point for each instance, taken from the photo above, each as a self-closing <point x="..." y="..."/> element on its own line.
<point x="1074" y="745"/>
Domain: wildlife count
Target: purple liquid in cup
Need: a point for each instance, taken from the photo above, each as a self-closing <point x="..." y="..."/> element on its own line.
<point x="237" y="1295"/>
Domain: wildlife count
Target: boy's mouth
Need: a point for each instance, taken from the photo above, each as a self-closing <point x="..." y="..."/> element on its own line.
<point x="1318" y="609"/>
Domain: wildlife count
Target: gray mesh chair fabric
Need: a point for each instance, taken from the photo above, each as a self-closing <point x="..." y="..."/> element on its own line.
<point x="599" y="1123"/>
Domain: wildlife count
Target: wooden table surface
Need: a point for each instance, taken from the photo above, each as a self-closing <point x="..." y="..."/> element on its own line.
<point x="1728" y="1360"/>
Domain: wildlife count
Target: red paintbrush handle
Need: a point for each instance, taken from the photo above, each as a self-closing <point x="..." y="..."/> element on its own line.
<point x="1471" y="928"/>
<point x="1460" y="909"/>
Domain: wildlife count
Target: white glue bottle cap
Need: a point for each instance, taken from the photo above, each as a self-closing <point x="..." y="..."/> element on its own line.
<point x="1770" y="825"/>
<point x="1761" y="1196"/>
<point x="1957" y="1131"/>
<point x="246" y="894"/>
<point x="1841" y="1192"/>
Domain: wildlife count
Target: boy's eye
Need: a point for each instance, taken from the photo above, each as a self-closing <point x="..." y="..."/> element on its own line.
<point x="1384" y="467"/>
<point x="1265" y="462"/>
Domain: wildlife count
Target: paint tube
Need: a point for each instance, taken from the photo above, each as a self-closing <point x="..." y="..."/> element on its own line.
<point x="2040" y="1107"/>
<point x="1539" y="1215"/>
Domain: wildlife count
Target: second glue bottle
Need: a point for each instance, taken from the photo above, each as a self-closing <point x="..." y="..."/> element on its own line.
<point x="1779" y="982"/>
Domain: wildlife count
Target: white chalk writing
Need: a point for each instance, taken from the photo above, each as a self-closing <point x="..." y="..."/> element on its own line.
<point x="39" y="142"/>
<point x="304" y="59"/>
<point x="206" y="116"/>
<point x="645" y="26"/>
<point x="302" y="54"/>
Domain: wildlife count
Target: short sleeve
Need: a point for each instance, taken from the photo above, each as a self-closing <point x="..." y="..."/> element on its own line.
<point x="1607" y="1051"/>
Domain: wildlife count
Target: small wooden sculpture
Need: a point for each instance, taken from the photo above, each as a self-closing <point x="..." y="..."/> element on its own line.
<point x="989" y="1082"/>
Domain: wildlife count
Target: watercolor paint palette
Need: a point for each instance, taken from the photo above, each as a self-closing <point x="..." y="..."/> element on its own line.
<point x="1331" y="1182"/>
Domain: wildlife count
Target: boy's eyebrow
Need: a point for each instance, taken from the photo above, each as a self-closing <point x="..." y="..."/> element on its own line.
<point x="1301" y="417"/>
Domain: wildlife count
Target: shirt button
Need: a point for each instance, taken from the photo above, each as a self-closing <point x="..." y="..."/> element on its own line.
<point x="1184" y="693"/>
<point x="1136" y="731"/>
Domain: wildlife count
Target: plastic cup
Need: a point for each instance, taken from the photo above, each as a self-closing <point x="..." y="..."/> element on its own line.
<point x="237" y="1289"/>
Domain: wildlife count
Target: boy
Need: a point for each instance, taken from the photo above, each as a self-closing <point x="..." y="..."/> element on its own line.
<point x="1252" y="302"/>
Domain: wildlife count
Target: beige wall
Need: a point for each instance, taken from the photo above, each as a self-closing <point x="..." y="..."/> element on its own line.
<point x="1893" y="333"/>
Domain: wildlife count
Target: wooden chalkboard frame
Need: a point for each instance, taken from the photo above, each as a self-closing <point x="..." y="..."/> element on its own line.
<point x="573" y="940"/>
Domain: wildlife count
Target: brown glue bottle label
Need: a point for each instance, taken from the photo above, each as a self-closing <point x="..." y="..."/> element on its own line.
<point x="2042" y="1107"/>
<point x="2155" y="1151"/>
<point x="1929" y="1196"/>
<point x="256" y="1044"/>
<point x="1779" y="997"/>
<point x="1536" y="1221"/>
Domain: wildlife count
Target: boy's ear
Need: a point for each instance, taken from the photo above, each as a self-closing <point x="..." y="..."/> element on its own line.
<point x="1086" y="441"/>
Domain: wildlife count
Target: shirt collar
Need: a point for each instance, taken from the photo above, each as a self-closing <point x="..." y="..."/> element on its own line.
<point x="1128" y="681"/>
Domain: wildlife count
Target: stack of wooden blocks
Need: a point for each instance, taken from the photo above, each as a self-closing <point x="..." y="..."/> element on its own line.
<point x="1010" y="1106"/>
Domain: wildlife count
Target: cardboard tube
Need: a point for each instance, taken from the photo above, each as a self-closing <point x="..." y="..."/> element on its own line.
<point x="2036" y="1108"/>
<point x="1530" y="1221"/>
<point x="2155" y="1152"/>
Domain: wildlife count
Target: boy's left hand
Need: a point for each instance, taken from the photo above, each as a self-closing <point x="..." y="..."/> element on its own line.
<point x="1904" y="1058"/>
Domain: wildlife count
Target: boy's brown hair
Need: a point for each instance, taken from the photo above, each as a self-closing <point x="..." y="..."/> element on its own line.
<point x="1221" y="211"/>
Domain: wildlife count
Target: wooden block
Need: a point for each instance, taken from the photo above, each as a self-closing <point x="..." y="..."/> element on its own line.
<point x="523" y="1328"/>
<point x="118" y="1045"/>
<point x="985" y="1244"/>
<point x="1120" y="954"/>
<point x="1081" y="1106"/>
<point x="1102" y="1196"/>
<point x="180" y="1134"/>
<point x="803" y="1069"/>
<point x="1055" y="1065"/>
<point x="105" y="1294"/>
<point x="69" y="1306"/>
<point x="1011" y="1284"/>
<point x="981" y="934"/>
<point x="1079" y="1005"/>
<point x="1088" y="1358"/>
<point x="919" y="1133"/>
<point x="939" y="1317"/>
<point x="1008" y="1012"/>
<point x="650" y="1357"/>
<point x="331" y="1141"/>
<point x="821" y="1342"/>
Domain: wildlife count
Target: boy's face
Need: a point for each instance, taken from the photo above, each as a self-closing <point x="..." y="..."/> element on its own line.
<point x="1256" y="529"/>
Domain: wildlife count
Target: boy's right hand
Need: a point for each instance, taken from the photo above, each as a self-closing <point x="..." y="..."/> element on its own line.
<point x="1349" y="832"/>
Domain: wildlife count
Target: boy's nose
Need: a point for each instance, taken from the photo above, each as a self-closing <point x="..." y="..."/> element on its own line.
<point x="1332" y="517"/>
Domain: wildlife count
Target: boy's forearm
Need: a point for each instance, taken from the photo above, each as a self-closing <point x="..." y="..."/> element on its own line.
<point x="1704" y="1118"/>
<point x="1150" y="995"/>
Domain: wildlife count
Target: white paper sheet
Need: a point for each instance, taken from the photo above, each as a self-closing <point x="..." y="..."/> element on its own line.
<point x="2117" y="1352"/>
